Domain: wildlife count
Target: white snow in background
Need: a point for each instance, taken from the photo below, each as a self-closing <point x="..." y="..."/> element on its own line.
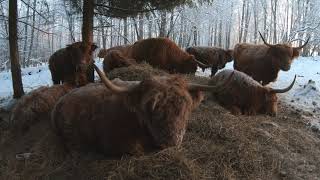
<point x="304" y="96"/>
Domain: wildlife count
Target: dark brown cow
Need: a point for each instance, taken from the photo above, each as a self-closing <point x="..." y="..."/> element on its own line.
<point x="115" y="59"/>
<point x="70" y="64"/>
<point x="140" y="117"/>
<point x="263" y="62"/>
<point x="217" y="58"/>
<point x="164" y="54"/>
<point x="123" y="49"/>
<point x="244" y="95"/>
<point x="36" y="106"/>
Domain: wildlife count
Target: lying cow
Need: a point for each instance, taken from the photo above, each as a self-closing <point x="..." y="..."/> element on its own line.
<point x="36" y="106"/>
<point x="115" y="59"/>
<point x="244" y="95"/>
<point x="163" y="53"/>
<point x="120" y="119"/>
<point x="70" y="64"/>
<point x="217" y="58"/>
<point x="123" y="49"/>
<point x="263" y="62"/>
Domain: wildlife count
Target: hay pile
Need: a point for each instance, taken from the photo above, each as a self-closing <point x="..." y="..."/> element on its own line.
<point x="217" y="145"/>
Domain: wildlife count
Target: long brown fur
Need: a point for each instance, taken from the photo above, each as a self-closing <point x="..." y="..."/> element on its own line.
<point x="70" y="64"/>
<point x="36" y="106"/>
<point x="217" y="58"/>
<point x="244" y="95"/>
<point x="115" y="59"/>
<point x="262" y="62"/>
<point x="149" y="117"/>
<point x="123" y="49"/>
<point x="164" y="54"/>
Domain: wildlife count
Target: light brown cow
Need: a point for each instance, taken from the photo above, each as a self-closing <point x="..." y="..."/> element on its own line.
<point x="263" y="62"/>
<point x="140" y="117"/>
<point x="244" y="95"/>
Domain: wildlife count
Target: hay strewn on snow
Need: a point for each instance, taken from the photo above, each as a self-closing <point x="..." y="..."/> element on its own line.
<point x="217" y="145"/>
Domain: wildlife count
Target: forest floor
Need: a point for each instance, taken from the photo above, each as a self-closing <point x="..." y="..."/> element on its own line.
<point x="217" y="145"/>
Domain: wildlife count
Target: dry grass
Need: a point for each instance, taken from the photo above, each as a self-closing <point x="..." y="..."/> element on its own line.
<point x="217" y="145"/>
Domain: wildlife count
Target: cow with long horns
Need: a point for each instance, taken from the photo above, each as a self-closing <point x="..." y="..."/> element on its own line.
<point x="263" y="62"/>
<point x="127" y="118"/>
<point x="246" y="96"/>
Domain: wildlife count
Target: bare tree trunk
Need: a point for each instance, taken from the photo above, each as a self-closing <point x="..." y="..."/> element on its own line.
<point x="14" y="54"/>
<point x="24" y="57"/>
<point x="125" y="30"/>
<point x="87" y="30"/>
<point x="247" y="21"/>
<point x="163" y="24"/>
<point x="32" y="31"/>
<point x="242" y="21"/>
<point x="220" y="34"/>
<point x="141" y="22"/>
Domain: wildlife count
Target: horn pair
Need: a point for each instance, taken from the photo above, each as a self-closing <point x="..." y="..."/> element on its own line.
<point x="285" y="89"/>
<point x="297" y="48"/>
<point x="191" y="86"/>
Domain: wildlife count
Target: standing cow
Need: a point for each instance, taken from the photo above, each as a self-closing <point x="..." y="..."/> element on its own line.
<point x="71" y="64"/>
<point x="120" y="119"/>
<point x="263" y="62"/>
<point x="244" y="95"/>
<point x="217" y="58"/>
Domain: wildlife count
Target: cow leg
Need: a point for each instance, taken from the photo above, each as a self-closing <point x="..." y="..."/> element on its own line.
<point x="90" y="73"/>
<point x="213" y="71"/>
<point x="55" y="79"/>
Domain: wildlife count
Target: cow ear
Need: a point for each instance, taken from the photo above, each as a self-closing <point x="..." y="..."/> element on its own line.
<point x="295" y="53"/>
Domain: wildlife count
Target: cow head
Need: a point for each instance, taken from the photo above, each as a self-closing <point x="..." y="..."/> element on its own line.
<point x="102" y="53"/>
<point x="271" y="99"/>
<point x="283" y="54"/>
<point x="225" y="56"/>
<point x="163" y="105"/>
<point x="80" y="55"/>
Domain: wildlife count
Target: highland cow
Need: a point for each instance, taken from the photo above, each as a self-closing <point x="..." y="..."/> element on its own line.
<point x="123" y="49"/>
<point x="164" y="54"/>
<point x="127" y="119"/>
<point x="263" y="62"/>
<point x="246" y="96"/>
<point x="217" y="58"/>
<point x="36" y="106"/>
<point x="71" y="64"/>
<point x="114" y="59"/>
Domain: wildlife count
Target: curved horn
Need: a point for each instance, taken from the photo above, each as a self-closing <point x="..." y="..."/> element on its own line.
<point x="264" y="41"/>
<point x="302" y="46"/>
<point x="285" y="89"/>
<point x="108" y="83"/>
<point x="202" y="65"/>
<point x="216" y="88"/>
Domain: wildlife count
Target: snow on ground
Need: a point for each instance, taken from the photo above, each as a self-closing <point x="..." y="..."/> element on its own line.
<point x="304" y="96"/>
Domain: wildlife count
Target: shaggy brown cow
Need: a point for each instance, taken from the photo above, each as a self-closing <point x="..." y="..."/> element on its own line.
<point x="263" y="62"/>
<point x="143" y="117"/>
<point x="217" y="58"/>
<point x="70" y="64"/>
<point x="244" y="95"/>
<point x="36" y="106"/>
<point x="164" y="54"/>
<point x="114" y="59"/>
<point x="123" y="49"/>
